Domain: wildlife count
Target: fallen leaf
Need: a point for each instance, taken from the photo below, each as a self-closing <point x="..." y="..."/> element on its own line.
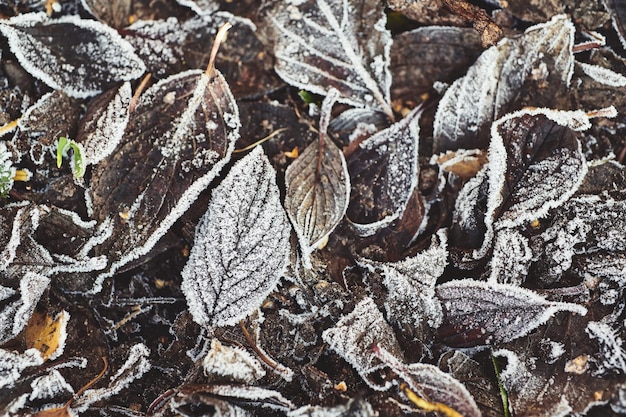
<point x="47" y="334"/>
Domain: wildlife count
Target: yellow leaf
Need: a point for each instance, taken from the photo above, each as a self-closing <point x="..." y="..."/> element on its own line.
<point x="45" y="333"/>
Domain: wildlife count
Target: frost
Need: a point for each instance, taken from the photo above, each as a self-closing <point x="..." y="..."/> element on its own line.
<point x="355" y="407"/>
<point x="200" y="7"/>
<point x="318" y="46"/>
<point x="103" y="126"/>
<point x="12" y="364"/>
<point x="511" y="258"/>
<point x="81" y="57"/>
<point x="49" y="386"/>
<point x="432" y="383"/>
<point x="353" y="336"/>
<point x="611" y="357"/>
<point x="603" y="75"/>
<point x="135" y="366"/>
<point x="241" y="245"/>
<point x="476" y="312"/>
<point x="384" y="172"/>
<point x="318" y="187"/>
<point x="7" y="171"/>
<point x="146" y="193"/>
<point x="233" y="363"/>
<point x="410" y="283"/>
<point x="490" y="85"/>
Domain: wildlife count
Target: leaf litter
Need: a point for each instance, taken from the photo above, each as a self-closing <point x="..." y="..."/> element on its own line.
<point x="452" y="227"/>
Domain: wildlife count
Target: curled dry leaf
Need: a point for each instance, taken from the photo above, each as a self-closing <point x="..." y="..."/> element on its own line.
<point x="489" y="88"/>
<point x="353" y="336"/>
<point x="61" y="53"/>
<point x="180" y="135"/>
<point x="535" y="164"/>
<point x="241" y="245"/>
<point x="384" y="172"/>
<point x="318" y="187"/>
<point x="318" y="46"/>
<point x="433" y="385"/>
<point x="476" y="312"/>
<point x="231" y="362"/>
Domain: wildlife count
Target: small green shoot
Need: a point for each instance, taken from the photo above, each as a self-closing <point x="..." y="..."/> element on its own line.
<point x="503" y="394"/>
<point x="78" y="164"/>
<point x="309" y="97"/>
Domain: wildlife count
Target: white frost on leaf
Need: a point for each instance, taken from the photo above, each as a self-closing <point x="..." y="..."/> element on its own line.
<point x="355" y="407"/>
<point x="410" y="284"/>
<point x="603" y="75"/>
<point x="49" y="386"/>
<point x="102" y="128"/>
<point x="135" y="366"/>
<point x="611" y="357"/>
<point x="511" y="258"/>
<point x="355" y="333"/>
<point x="79" y="56"/>
<point x="241" y="245"/>
<point x="318" y="46"/>
<point x="387" y="164"/>
<point x="484" y="93"/>
<point x="476" y="311"/>
<point x="233" y="363"/>
<point x="12" y="364"/>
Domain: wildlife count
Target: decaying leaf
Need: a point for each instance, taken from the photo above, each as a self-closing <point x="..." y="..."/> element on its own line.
<point x="318" y="46"/>
<point x="232" y="363"/>
<point x="489" y="88"/>
<point x="535" y="164"/>
<point x="318" y="187"/>
<point x="178" y="138"/>
<point x="434" y="385"/>
<point x="78" y="56"/>
<point x="241" y="245"/>
<point x="476" y="312"/>
<point x="384" y="172"/>
<point x="410" y="283"/>
<point x="102" y="127"/>
<point x="355" y="407"/>
<point x="353" y="336"/>
<point x="12" y="364"/>
<point x="47" y="334"/>
<point x="115" y="13"/>
<point x="511" y="258"/>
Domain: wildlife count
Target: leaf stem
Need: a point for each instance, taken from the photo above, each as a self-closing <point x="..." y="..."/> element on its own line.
<point x="219" y="38"/>
<point x="503" y="394"/>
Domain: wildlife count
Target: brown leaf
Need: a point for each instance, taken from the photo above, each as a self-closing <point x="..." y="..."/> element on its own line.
<point x="45" y="333"/>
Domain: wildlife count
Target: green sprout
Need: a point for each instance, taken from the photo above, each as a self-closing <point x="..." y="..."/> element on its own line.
<point x="503" y="394"/>
<point x="8" y="173"/>
<point x="78" y="164"/>
<point x="309" y="97"/>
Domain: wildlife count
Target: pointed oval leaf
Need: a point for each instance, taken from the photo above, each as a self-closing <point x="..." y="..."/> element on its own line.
<point x="487" y="90"/>
<point x="353" y="336"/>
<point x="318" y="45"/>
<point x="81" y="57"/>
<point x="241" y="245"/>
<point x="535" y="164"/>
<point x="318" y="187"/>
<point x="384" y="172"/>
<point x="476" y="312"/>
<point x="178" y="138"/>
<point x="102" y="127"/>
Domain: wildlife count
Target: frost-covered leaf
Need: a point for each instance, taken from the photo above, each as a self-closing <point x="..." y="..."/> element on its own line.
<point x="232" y="363"/>
<point x="241" y="245"/>
<point x="103" y="125"/>
<point x="603" y="75"/>
<point x="355" y="407"/>
<point x="411" y="301"/>
<point x="611" y="357"/>
<point x="318" y="187"/>
<point x="200" y="7"/>
<point x="180" y="135"/>
<point x="617" y="11"/>
<point x="511" y="258"/>
<point x="585" y="224"/>
<point x="136" y="365"/>
<point x="428" y="54"/>
<point x="476" y="312"/>
<point x="491" y="85"/>
<point x="353" y="336"/>
<point x="12" y="364"/>
<point x="231" y="396"/>
<point x="535" y="164"/>
<point x="80" y="57"/>
<point x="533" y="12"/>
<point x="384" y="172"/>
<point x="318" y="46"/>
<point x="432" y="384"/>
